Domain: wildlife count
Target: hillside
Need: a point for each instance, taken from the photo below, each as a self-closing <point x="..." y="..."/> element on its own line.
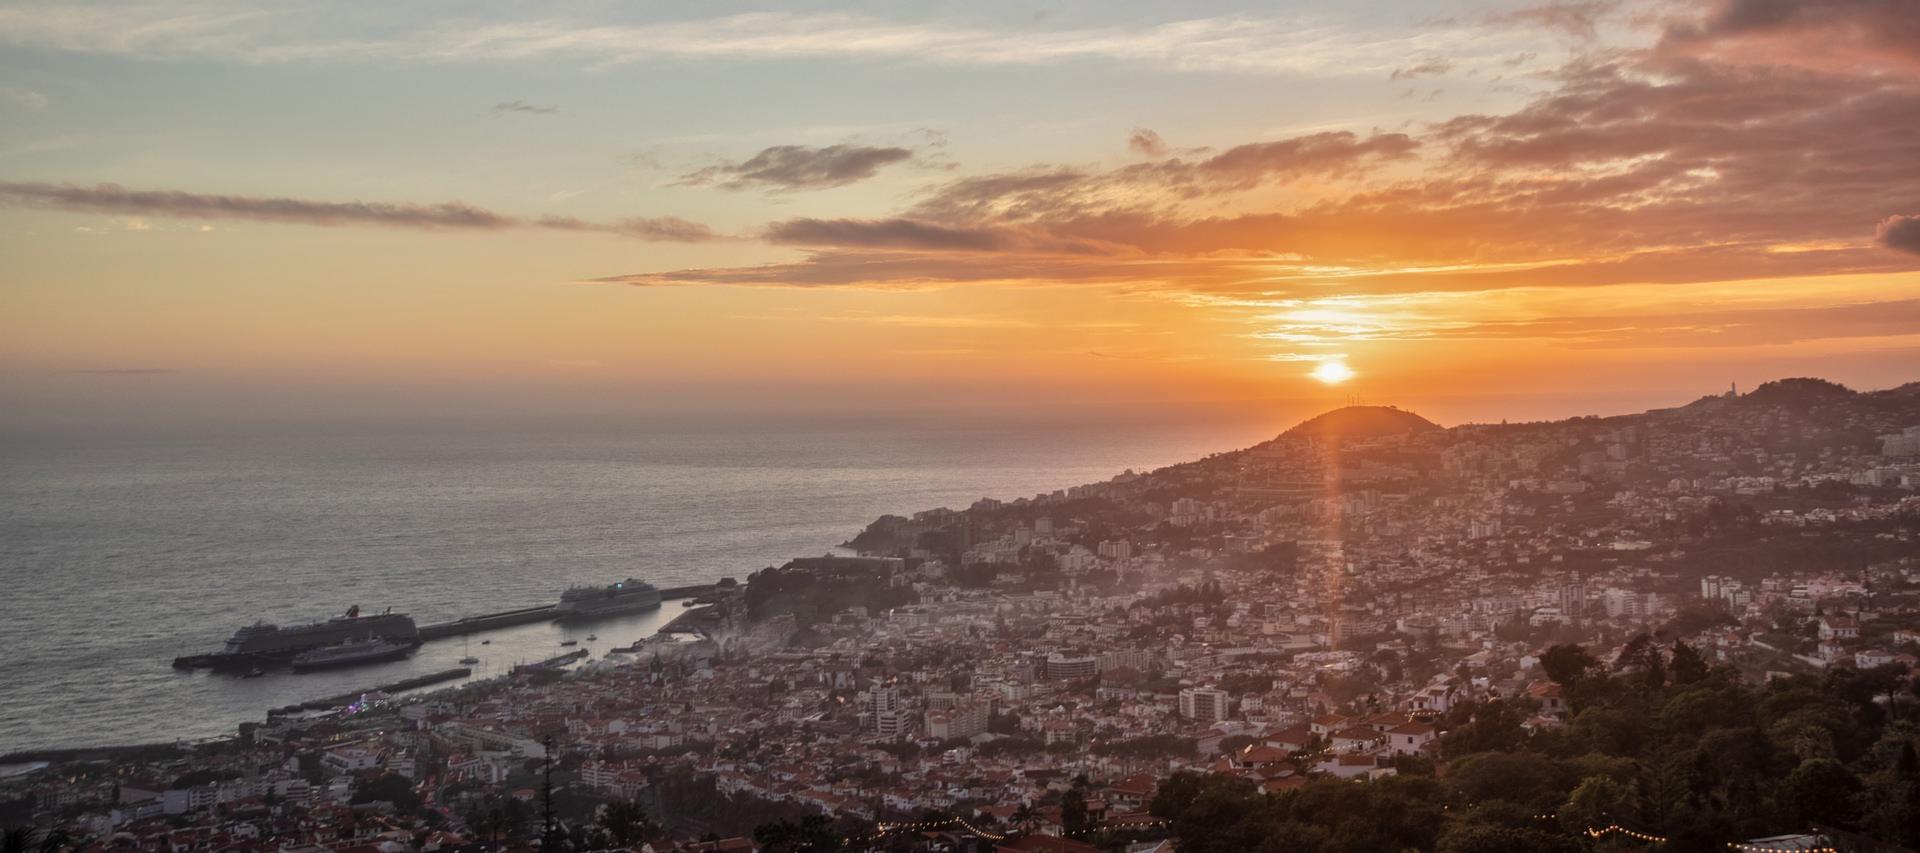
<point x="1361" y="422"/>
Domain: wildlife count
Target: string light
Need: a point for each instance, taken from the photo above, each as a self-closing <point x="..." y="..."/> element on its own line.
<point x="1610" y="829"/>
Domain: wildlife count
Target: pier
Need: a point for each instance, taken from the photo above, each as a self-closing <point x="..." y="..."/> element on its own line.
<point x="345" y="699"/>
<point x="527" y="615"/>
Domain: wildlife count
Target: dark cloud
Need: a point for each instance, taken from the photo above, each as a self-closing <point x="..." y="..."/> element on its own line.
<point x="908" y="270"/>
<point x="1901" y="233"/>
<point x="1817" y="33"/>
<point x="1045" y="195"/>
<point x="1146" y="142"/>
<point x="524" y="107"/>
<point x="118" y="200"/>
<point x="927" y="236"/>
<point x="658" y="229"/>
<point x="796" y="167"/>
<point x="1430" y="67"/>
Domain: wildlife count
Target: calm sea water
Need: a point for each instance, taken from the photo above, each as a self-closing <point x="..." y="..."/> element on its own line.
<point x="121" y="548"/>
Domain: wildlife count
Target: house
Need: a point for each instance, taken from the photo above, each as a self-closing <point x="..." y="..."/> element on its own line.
<point x="1551" y="698"/>
<point x="1348" y="765"/>
<point x="1132" y="793"/>
<point x="1358" y="739"/>
<point x="1291" y="738"/>
<point x="1870" y="658"/>
<point x="1839" y="628"/>
<point x="1410" y="737"/>
<point x="1326" y="724"/>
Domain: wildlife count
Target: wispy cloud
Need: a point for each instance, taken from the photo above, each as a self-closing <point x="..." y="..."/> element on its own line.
<point x="21" y="97"/>
<point x="299" y="32"/>
<point x="117" y="200"/>
<point x="788" y="168"/>
<point x="523" y="107"/>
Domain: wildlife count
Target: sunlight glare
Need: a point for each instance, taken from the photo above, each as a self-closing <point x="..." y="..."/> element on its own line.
<point x="1332" y="372"/>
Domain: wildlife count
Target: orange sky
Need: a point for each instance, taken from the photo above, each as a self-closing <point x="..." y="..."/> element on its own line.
<point x="1518" y="210"/>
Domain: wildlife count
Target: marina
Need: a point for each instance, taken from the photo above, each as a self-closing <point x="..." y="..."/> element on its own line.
<point x="352" y="639"/>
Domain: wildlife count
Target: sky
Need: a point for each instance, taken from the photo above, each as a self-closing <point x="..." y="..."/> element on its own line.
<point x="1476" y="210"/>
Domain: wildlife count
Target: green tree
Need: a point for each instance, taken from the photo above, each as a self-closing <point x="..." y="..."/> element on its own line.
<point x="627" y="822"/>
<point x="1821" y="791"/>
<point x="1566" y="664"/>
<point x="1687" y="664"/>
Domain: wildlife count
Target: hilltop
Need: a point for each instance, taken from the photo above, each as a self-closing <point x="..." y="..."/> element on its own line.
<point x="1360" y="422"/>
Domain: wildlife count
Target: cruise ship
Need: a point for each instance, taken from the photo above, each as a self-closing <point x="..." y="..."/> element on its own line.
<point x="262" y="643"/>
<point x="592" y="602"/>
<point x="352" y="653"/>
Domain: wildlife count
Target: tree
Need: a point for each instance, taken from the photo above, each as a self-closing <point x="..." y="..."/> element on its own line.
<point x="813" y="834"/>
<point x="29" y="839"/>
<point x="1598" y="801"/>
<point x="1073" y="811"/>
<point x="1565" y="664"/>
<point x="1687" y="664"/>
<point x="1821" y="791"/>
<point x="627" y="821"/>
<point x="391" y="787"/>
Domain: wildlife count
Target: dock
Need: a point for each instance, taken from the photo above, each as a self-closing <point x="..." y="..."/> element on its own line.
<point x="528" y="615"/>
<point x="551" y="663"/>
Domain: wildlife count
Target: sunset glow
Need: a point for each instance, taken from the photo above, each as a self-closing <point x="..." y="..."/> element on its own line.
<point x="1333" y="372"/>
<point x="979" y="205"/>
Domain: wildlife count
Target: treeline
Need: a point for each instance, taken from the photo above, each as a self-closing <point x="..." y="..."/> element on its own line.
<point x="1657" y="743"/>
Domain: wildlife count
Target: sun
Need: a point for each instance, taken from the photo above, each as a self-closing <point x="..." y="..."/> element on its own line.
<point x="1332" y="372"/>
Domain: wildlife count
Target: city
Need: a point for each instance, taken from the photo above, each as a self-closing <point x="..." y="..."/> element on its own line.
<point x="1543" y="635"/>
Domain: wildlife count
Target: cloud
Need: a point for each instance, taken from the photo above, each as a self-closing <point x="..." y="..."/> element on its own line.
<point x="1822" y="34"/>
<point x="908" y="270"/>
<point x="1146" y="142"/>
<point x="24" y="98"/>
<point x="1048" y="194"/>
<point x="1431" y="67"/>
<point x="921" y="235"/>
<point x="1901" y="233"/>
<point x="796" y="167"/>
<point x="1743" y="327"/>
<point x="523" y="107"/>
<point x="1578" y="18"/>
<point x="281" y="32"/>
<point x="664" y="229"/>
<point x="114" y="199"/>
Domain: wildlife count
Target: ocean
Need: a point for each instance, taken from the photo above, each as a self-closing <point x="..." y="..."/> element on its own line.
<point x="123" y="547"/>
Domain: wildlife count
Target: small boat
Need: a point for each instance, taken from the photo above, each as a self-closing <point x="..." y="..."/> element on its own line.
<point x="469" y="660"/>
<point x="592" y="637"/>
<point x="569" y="642"/>
<point x="255" y="672"/>
<point x="486" y="642"/>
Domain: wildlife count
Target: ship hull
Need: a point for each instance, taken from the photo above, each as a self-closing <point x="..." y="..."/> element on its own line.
<point x="608" y="610"/>
<point x="254" y="647"/>
<point x="382" y="656"/>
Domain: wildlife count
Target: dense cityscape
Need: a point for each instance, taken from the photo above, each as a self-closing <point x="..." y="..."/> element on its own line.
<point x="1688" y="629"/>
